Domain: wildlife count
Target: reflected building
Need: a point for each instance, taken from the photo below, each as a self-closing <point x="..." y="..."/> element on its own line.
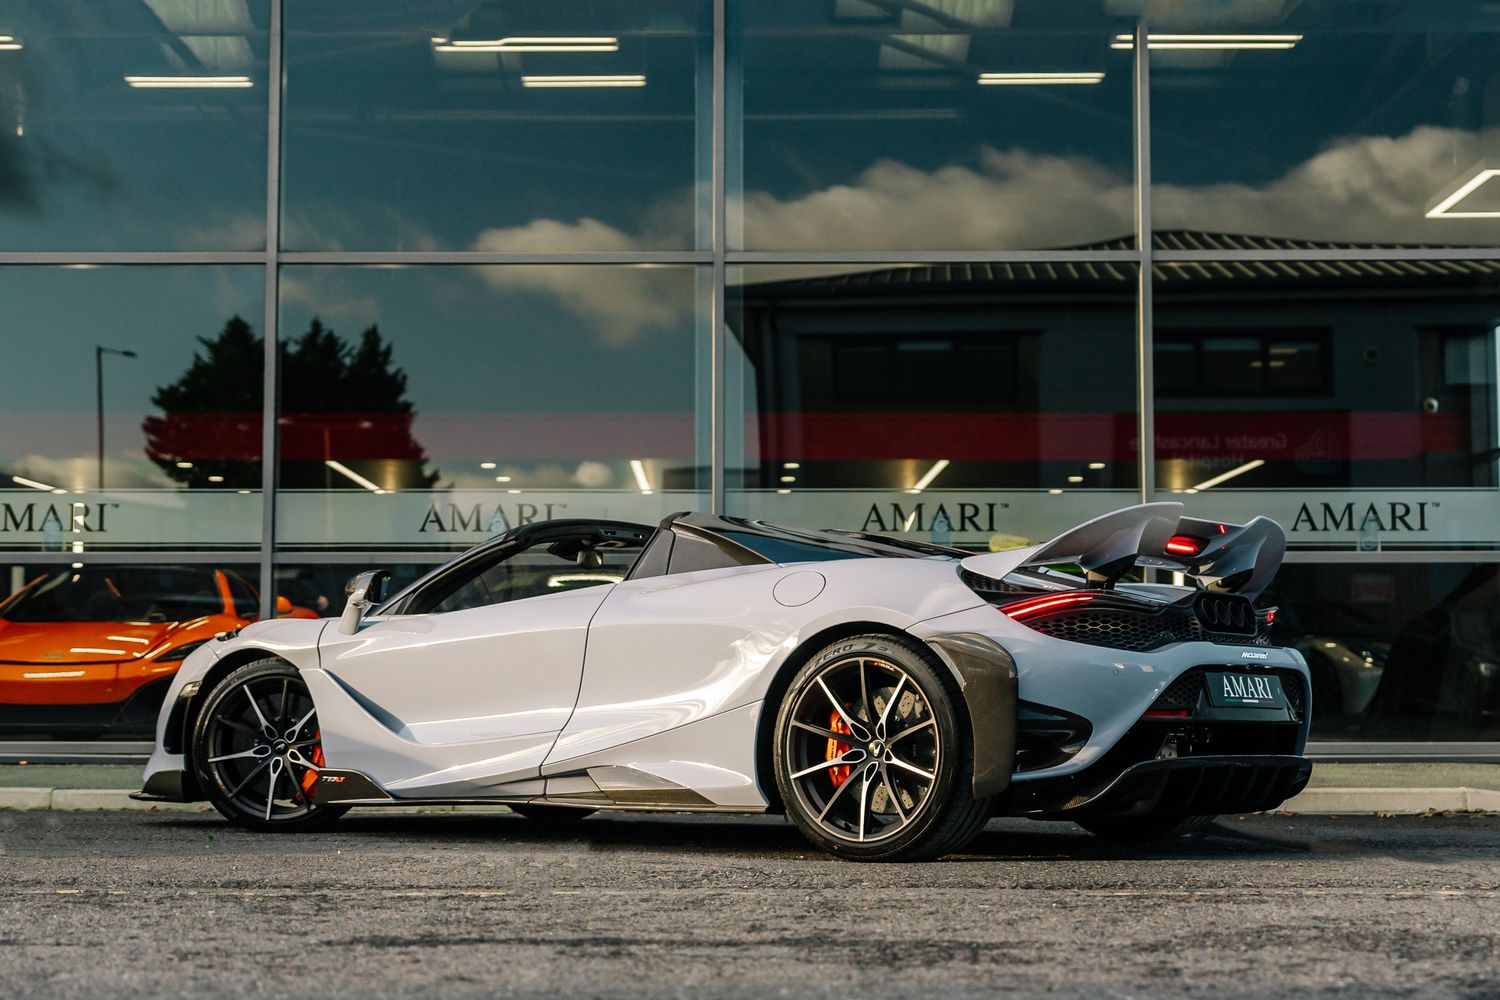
<point x="300" y="288"/>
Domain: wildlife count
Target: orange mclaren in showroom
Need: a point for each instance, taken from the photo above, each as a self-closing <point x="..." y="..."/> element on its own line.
<point x="89" y="651"/>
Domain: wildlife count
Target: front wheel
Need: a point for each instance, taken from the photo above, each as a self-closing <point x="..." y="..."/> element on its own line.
<point x="1135" y="829"/>
<point x="257" y="749"/>
<point x="872" y="754"/>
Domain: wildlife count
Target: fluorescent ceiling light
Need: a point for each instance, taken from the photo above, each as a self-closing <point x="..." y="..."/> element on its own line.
<point x="1225" y="476"/>
<point x="189" y="82"/>
<point x="10" y="43"/>
<point x="624" y="80"/>
<point x="639" y="468"/>
<point x="1036" y="79"/>
<point x="34" y="484"/>
<point x="343" y="469"/>
<point x="1155" y="41"/>
<point x="1096" y="465"/>
<point x="1440" y="211"/>
<point x="528" y="43"/>
<point x="929" y="476"/>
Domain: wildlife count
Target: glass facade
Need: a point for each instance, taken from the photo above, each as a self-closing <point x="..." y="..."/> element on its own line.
<point x="292" y="289"/>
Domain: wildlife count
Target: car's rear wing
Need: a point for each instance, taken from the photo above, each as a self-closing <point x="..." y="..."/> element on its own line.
<point x="1237" y="558"/>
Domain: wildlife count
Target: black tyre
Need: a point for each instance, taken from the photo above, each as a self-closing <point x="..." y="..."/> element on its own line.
<point x="257" y="748"/>
<point x="873" y="756"/>
<point x="541" y="812"/>
<point x="1136" y="829"/>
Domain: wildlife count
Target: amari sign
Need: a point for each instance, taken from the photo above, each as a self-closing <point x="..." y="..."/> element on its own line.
<point x="416" y="519"/>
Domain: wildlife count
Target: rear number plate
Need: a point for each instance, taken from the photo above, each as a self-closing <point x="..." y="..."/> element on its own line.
<point x="1245" y="691"/>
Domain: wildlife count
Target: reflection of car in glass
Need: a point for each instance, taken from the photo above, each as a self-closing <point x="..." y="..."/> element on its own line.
<point x="1345" y="649"/>
<point x="889" y="696"/>
<point x="91" y="650"/>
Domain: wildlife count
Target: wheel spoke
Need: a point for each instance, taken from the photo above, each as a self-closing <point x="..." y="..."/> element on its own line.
<point x="286" y="688"/>
<point x="837" y="794"/>
<point x="890" y="789"/>
<point x="864" y="792"/>
<point x="851" y="756"/>
<point x="260" y="751"/>
<point x="237" y="726"/>
<point x="907" y="732"/>
<point x="258" y="768"/>
<point x="914" y="769"/>
<point x="827" y="734"/>
<point x="276" y="766"/>
<point x="864" y="693"/>
<point x="895" y="696"/>
<point x="291" y="734"/>
<point x="855" y="726"/>
<point x="265" y="726"/>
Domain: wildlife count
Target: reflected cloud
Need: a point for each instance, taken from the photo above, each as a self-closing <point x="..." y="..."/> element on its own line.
<point x="621" y="302"/>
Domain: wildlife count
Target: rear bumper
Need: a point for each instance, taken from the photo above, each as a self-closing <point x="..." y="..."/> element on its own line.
<point x="1188" y="786"/>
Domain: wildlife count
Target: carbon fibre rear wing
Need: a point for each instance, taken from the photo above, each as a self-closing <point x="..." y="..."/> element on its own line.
<point x="1234" y="558"/>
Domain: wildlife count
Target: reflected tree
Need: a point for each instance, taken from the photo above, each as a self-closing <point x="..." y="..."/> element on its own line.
<point x="343" y="410"/>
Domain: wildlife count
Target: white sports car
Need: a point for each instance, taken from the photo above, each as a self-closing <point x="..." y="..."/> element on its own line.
<point x="886" y="695"/>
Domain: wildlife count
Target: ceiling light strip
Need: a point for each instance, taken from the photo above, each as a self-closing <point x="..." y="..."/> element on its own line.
<point x="627" y="80"/>
<point x="189" y="82"/>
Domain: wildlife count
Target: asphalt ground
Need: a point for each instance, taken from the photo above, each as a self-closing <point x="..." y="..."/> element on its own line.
<point x="465" y="904"/>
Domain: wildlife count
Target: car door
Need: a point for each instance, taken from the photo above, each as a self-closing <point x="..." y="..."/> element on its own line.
<point x="477" y="670"/>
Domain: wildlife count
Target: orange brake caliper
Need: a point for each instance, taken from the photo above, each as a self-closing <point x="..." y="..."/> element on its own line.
<point x="308" y="777"/>
<point x="838" y="775"/>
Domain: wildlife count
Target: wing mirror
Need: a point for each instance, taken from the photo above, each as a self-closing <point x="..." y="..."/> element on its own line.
<point x="365" y="591"/>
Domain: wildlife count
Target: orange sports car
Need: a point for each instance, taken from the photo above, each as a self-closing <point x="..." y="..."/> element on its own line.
<point x="91" y="650"/>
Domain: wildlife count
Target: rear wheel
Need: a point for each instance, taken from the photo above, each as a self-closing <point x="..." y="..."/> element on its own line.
<point x="1134" y="829"/>
<point x="541" y="812"/>
<point x="872" y="756"/>
<point x="257" y="749"/>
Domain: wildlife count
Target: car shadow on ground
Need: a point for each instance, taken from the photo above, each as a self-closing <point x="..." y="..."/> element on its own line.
<point x="771" y="836"/>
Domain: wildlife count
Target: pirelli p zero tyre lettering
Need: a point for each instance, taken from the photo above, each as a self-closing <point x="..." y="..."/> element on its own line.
<point x="873" y="757"/>
<point x="257" y="749"/>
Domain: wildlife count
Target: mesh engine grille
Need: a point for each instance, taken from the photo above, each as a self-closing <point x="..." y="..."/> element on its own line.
<point x="1140" y="631"/>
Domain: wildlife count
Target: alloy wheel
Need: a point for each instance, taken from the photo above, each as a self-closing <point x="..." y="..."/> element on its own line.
<point x="264" y="748"/>
<point x="863" y="749"/>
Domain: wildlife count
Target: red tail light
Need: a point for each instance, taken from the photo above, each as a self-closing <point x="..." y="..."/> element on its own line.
<point x="1270" y="616"/>
<point x="1184" y="545"/>
<point x="1047" y="604"/>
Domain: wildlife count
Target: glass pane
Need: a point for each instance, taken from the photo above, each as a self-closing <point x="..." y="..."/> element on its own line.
<point x="319" y="587"/>
<point x="130" y="407"/>
<point x="1373" y="381"/>
<point x="990" y="124"/>
<point x="1325" y="121"/>
<point x="88" y="649"/>
<point x="1354" y="402"/>
<point x="499" y="125"/>
<point x="438" y="406"/>
<point x="946" y="402"/>
<point x="1397" y="651"/>
<point x="136" y="125"/>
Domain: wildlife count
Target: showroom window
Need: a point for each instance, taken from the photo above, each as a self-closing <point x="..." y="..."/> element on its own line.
<point x="1342" y="123"/>
<point x="133" y="126"/>
<point x="516" y="125"/>
<point x="127" y="425"/>
<point x="448" y="405"/>
<point x="946" y="402"/>
<point x="986" y="125"/>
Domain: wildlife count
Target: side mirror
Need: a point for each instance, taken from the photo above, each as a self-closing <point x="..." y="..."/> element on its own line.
<point x="365" y="591"/>
<point x="283" y="605"/>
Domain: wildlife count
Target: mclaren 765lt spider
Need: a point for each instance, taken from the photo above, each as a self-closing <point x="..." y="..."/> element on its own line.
<point x="888" y="696"/>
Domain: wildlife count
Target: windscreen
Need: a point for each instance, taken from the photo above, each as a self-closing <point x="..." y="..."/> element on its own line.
<point x="116" y="594"/>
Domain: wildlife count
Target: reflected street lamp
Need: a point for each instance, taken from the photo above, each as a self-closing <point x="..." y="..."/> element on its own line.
<point x="99" y="353"/>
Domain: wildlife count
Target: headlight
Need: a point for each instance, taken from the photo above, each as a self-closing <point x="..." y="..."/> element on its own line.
<point x="180" y="653"/>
